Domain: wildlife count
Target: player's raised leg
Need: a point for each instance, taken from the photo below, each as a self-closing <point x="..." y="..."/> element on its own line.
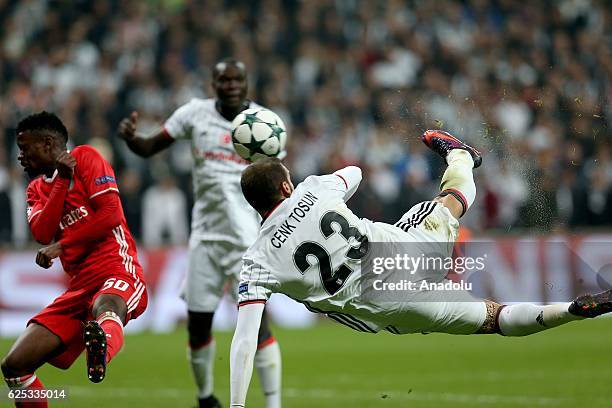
<point x="458" y="190"/>
<point x="104" y="336"/>
<point x="33" y="348"/>
<point x="119" y="300"/>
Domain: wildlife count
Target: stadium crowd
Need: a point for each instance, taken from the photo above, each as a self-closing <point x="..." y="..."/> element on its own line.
<point x="356" y="82"/>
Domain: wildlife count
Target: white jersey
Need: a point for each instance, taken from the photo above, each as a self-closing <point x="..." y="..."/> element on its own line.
<point x="309" y="248"/>
<point x="220" y="211"/>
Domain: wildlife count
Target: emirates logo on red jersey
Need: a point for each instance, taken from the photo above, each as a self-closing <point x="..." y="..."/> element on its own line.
<point x="73" y="216"/>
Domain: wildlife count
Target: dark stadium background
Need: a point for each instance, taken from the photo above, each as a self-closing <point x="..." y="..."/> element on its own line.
<point x="356" y="81"/>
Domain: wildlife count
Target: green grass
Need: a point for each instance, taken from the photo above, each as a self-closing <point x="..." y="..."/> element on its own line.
<point x="331" y="366"/>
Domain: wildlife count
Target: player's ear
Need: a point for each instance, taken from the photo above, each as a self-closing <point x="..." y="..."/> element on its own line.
<point x="286" y="189"/>
<point x="48" y="143"/>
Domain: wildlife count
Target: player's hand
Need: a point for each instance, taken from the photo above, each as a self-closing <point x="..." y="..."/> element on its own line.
<point x="65" y="164"/>
<point x="45" y="255"/>
<point x="127" y="127"/>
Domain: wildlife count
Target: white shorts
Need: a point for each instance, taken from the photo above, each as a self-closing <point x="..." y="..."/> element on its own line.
<point x="422" y="314"/>
<point x="214" y="268"/>
<point x="426" y="222"/>
<point x="430" y="225"/>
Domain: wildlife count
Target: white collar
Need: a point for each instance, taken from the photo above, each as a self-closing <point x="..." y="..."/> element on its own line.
<point x="50" y="180"/>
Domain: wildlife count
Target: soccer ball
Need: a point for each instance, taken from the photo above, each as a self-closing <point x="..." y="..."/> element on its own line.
<point x="258" y="133"/>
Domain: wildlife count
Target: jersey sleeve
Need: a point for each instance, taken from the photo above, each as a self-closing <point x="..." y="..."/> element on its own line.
<point x="34" y="205"/>
<point x="179" y="124"/>
<point x="95" y="172"/>
<point x="345" y="181"/>
<point x="256" y="283"/>
<point x="242" y="352"/>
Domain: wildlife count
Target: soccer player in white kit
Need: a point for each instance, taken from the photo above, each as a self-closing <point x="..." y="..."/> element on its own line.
<point x="310" y="247"/>
<point x="223" y="224"/>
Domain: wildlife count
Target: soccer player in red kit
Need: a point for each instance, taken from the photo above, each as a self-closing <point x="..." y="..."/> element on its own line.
<point x="74" y="208"/>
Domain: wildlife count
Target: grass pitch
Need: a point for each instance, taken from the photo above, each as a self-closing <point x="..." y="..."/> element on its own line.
<point x="331" y="366"/>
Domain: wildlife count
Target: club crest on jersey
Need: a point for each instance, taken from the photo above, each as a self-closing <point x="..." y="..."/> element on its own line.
<point x="243" y="288"/>
<point x="104" y="180"/>
<point x="73" y="216"/>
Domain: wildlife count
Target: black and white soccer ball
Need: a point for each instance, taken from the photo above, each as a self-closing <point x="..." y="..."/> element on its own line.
<point x="258" y="133"/>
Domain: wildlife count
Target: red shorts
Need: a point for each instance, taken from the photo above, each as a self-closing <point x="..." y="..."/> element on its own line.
<point x="66" y="315"/>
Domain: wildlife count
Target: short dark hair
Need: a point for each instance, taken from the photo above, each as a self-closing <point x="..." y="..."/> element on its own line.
<point x="261" y="182"/>
<point x="43" y="122"/>
<point x="227" y="61"/>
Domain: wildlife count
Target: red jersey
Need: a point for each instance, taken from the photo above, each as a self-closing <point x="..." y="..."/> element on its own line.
<point x="93" y="177"/>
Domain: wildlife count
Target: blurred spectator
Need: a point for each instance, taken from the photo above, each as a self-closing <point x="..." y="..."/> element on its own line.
<point x="20" y="231"/>
<point x="357" y="82"/>
<point x="131" y="195"/>
<point x="164" y="214"/>
<point x="6" y="218"/>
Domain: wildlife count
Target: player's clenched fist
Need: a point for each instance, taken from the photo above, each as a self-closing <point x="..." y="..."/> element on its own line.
<point x="45" y="255"/>
<point x="65" y="164"/>
<point x="127" y="127"/>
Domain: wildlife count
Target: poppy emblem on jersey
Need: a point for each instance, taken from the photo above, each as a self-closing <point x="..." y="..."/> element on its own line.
<point x="227" y="138"/>
<point x="104" y="180"/>
<point x="243" y="288"/>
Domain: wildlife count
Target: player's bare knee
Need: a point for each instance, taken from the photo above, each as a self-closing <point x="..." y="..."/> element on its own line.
<point x="199" y="327"/>
<point x="490" y="325"/>
<point x="12" y="366"/>
<point x="110" y="303"/>
<point x="5" y="367"/>
<point x="453" y="204"/>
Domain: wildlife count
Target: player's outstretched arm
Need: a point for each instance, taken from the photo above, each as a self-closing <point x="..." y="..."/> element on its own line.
<point x="144" y="146"/>
<point x="244" y="346"/>
<point x="351" y="176"/>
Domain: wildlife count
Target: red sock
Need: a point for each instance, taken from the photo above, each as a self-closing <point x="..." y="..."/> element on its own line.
<point x="28" y="382"/>
<point x="113" y="327"/>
